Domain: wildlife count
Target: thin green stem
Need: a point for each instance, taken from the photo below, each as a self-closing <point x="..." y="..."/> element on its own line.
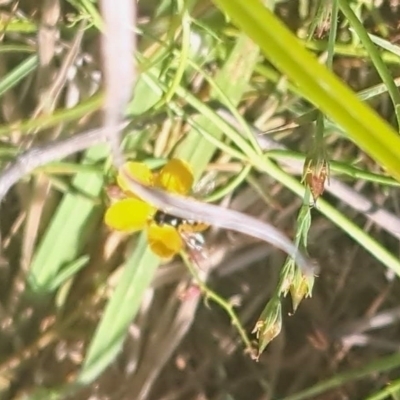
<point x="374" y="54"/>
<point x="379" y="366"/>
<point x="392" y="389"/>
<point x="338" y="167"/>
<point x="224" y="304"/>
<point x="332" y="33"/>
<point x="230" y="187"/>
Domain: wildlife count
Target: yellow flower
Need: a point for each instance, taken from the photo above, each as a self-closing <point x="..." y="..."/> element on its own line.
<point x="131" y="214"/>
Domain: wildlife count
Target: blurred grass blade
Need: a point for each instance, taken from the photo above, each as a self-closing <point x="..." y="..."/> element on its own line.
<point x="340" y="379"/>
<point x="17" y="74"/>
<point x="238" y="68"/>
<point x="68" y="271"/>
<point x="384" y="44"/>
<point x="373" y="52"/>
<point x="120" y="311"/>
<point x="185" y="26"/>
<point x="316" y="82"/>
<point x="60" y="116"/>
<point x="392" y="389"/>
<point x="72" y="222"/>
<point x="87" y="9"/>
<point x="230" y="186"/>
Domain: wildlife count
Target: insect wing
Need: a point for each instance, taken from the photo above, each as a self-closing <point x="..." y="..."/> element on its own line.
<point x="196" y="246"/>
<point x="194" y="240"/>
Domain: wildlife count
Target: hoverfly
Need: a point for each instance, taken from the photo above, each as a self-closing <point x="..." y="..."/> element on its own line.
<point x="189" y="230"/>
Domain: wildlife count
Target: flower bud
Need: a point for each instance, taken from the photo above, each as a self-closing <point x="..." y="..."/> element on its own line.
<point x="269" y="324"/>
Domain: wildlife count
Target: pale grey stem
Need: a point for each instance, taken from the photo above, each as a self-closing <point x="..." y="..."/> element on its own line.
<point x="362" y="340"/>
<point x="189" y="208"/>
<point x="346" y="194"/>
<point x="378" y="321"/>
<point x="38" y="156"/>
<point x="119" y="47"/>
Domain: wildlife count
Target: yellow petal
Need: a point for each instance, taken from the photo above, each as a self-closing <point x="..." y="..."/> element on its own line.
<point x="128" y="215"/>
<point x="176" y="177"/>
<point x="164" y="241"/>
<point x="140" y="171"/>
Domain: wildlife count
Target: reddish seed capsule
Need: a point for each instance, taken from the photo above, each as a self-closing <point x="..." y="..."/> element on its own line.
<point x="315" y="174"/>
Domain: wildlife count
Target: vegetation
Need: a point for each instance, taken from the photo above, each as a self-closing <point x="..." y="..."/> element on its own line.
<point x="285" y="116"/>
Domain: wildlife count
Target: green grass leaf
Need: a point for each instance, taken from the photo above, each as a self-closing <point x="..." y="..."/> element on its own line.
<point x="316" y="82"/>
<point x="121" y="309"/>
<point x="71" y="224"/>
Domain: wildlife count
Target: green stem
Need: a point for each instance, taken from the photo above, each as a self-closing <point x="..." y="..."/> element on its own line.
<point x="225" y="305"/>
<point x="374" y="54"/>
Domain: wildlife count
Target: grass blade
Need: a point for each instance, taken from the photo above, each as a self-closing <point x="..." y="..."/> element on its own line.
<point x="316" y="82"/>
<point x="18" y="73"/>
<point x="120" y="311"/>
<point x="65" y="237"/>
